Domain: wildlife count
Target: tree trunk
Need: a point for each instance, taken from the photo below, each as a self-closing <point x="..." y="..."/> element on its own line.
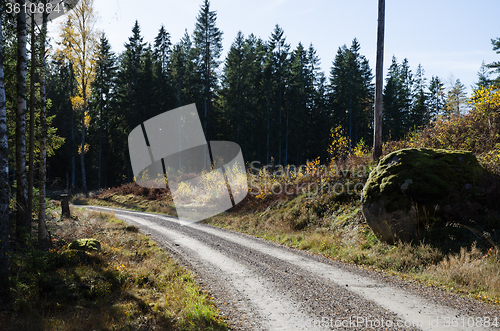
<point x="377" y="139"/>
<point x="82" y="156"/>
<point x="22" y="220"/>
<point x="31" y="149"/>
<point x="65" y="211"/>
<point x="42" y="228"/>
<point x="100" y="150"/>
<point x="4" y="187"/>
<point x="73" y="145"/>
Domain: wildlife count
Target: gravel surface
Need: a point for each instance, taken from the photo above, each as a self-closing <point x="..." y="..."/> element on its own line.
<point x="260" y="285"/>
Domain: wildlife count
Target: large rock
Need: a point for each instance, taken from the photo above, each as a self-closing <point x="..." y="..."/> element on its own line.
<point x="413" y="190"/>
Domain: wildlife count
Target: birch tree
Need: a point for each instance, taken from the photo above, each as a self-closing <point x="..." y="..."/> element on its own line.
<point x="22" y="216"/>
<point x="31" y="148"/>
<point x="4" y="185"/>
<point x="42" y="229"/>
<point x="79" y="41"/>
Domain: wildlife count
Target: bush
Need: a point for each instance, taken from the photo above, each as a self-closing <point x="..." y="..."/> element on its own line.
<point x="478" y="131"/>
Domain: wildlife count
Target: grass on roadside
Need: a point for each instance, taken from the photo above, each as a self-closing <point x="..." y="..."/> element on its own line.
<point x="339" y="231"/>
<point x="129" y="284"/>
<point x="333" y="226"/>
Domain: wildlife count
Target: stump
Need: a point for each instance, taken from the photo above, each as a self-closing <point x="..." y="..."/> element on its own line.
<point x="65" y="206"/>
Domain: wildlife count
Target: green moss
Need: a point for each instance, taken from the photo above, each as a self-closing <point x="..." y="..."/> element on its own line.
<point x="85" y="245"/>
<point x="422" y="176"/>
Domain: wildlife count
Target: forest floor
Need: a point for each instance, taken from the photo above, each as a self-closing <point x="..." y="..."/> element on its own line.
<point x="129" y="284"/>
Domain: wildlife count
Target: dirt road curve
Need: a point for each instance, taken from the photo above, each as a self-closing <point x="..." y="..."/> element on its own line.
<point x="263" y="286"/>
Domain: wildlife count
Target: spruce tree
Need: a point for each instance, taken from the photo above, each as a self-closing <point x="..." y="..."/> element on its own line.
<point x="208" y="44"/>
<point x="483" y="76"/>
<point x="495" y="66"/>
<point x="398" y="100"/>
<point x="128" y="87"/>
<point x="277" y="63"/>
<point x="456" y="99"/>
<point x="436" y="98"/>
<point x="162" y="74"/>
<point x="162" y="48"/>
<point x="102" y="103"/>
<point x="392" y="121"/>
<point x="419" y="116"/>
<point x="186" y="82"/>
<point x="351" y="94"/>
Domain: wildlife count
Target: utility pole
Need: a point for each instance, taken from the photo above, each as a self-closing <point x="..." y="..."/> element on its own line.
<point x="377" y="141"/>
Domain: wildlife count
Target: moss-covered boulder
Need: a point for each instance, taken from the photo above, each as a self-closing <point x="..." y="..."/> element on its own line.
<point x="412" y="190"/>
<point x="87" y="245"/>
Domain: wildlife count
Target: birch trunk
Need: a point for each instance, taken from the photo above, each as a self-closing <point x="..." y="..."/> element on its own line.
<point x="42" y="229"/>
<point x="4" y="187"/>
<point x="22" y="220"/>
<point x="31" y="149"/>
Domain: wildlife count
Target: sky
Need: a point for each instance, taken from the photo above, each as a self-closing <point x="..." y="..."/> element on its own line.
<point x="449" y="38"/>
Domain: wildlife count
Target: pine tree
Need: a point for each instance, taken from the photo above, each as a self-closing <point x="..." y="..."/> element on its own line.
<point x="208" y="44"/>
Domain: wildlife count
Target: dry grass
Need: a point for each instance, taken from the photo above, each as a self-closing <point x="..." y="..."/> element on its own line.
<point x="131" y="284"/>
<point x="470" y="271"/>
<point x="341" y="233"/>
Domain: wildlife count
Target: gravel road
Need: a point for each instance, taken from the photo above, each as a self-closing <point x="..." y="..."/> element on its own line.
<point x="260" y="285"/>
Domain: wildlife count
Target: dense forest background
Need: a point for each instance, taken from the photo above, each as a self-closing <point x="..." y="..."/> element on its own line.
<point x="273" y="99"/>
